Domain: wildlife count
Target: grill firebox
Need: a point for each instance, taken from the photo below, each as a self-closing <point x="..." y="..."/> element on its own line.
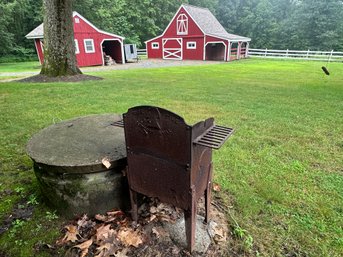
<point x="171" y="160"/>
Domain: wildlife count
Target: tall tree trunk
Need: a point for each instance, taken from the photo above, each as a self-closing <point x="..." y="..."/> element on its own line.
<point x="59" y="46"/>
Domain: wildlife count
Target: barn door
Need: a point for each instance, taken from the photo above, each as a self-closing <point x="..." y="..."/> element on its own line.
<point x="172" y="48"/>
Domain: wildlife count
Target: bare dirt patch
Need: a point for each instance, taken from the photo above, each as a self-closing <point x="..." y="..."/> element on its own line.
<point x="22" y="211"/>
<point x="46" y="79"/>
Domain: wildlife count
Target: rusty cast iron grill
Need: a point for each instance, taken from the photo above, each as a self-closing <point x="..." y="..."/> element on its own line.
<point x="171" y="160"/>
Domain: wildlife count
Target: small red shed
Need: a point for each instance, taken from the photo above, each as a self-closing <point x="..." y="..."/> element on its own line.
<point x="91" y="43"/>
<point x="195" y="34"/>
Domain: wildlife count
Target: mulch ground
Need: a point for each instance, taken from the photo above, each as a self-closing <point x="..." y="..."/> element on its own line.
<point x="46" y="79"/>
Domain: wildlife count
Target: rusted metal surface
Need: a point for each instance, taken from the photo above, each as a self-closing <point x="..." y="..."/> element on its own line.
<point x="171" y="160"/>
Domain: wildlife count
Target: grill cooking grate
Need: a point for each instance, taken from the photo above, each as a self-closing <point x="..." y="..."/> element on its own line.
<point x="119" y="123"/>
<point x="215" y="137"/>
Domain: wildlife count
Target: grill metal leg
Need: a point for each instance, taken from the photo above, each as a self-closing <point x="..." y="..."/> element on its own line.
<point x="134" y="207"/>
<point x="190" y="222"/>
<point x="208" y="194"/>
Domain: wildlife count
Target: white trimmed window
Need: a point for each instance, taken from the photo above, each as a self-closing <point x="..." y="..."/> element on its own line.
<point x="89" y="45"/>
<point x="191" y="45"/>
<point x="77" y="49"/>
<point x="182" y="24"/>
<point x="155" y="45"/>
<point x="77" y="20"/>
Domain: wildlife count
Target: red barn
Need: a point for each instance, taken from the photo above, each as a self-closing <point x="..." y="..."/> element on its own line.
<point x="195" y="34"/>
<point x="91" y="43"/>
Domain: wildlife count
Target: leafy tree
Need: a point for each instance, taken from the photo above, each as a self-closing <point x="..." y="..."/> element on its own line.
<point x="150" y="17"/>
<point x="59" y="46"/>
<point x="263" y="27"/>
<point x="6" y="36"/>
<point x="212" y="5"/>
<point x="319" y="24"/>
<point x="27" y="15"/>
<point x="292" y="24"/>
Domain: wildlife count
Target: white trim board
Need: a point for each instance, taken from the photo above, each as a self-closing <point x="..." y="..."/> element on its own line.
<point x="191" y="47"/>
<point x="121" y="46"/>
<point x="155" y="47"/>
<point x="85" y="45"/>
<point x="217" y="42"/>
<point x="171" y="21"/>
<point x="77" y="48"/>
<point x="90" y="24"/>
<point x="172" y="53"/>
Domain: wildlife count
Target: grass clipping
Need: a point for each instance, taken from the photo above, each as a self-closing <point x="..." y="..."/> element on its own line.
<point x="115" y="234"/>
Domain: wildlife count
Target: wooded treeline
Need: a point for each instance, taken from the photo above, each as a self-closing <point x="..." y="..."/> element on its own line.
<point x="278" y="24"/>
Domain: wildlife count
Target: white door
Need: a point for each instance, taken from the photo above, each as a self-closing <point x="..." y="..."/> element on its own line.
<point x="172" y="48"/>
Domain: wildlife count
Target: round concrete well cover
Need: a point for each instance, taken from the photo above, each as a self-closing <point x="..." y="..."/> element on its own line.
<point x="83" y="142"/>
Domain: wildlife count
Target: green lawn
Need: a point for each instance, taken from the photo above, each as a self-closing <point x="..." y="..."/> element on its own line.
<point x="281" y="174"/>
<point x="12" y="71"/>
<point x="20" y="67"/>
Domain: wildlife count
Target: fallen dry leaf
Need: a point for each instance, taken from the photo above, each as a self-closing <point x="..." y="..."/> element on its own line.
<point x="122" y="253"/>
<point x="159" y="232"/>
<point x="216" y="232"/>
<point x="115" y="213"/>
<point x="152" y="217"/>
<point x="83" y="221"/>
<point x="104" y="232"/>
<point x="153" y="209"/>
<point x="100" y="217"/>
<point x="107" y="241"/>
<point x="84" y="225"/>
<point x="110" y="216"/>
<point x="129" y="237"/>
<point x="84" y="247"/>
<point x="106" y="250"/>
<point x="164" y="217"/>
<point x="71" y="235"/>
<point x="216" y="187"/>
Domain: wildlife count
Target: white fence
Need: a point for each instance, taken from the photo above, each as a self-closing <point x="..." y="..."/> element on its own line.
<point x="141" y="51"/>
<point x="330" y="56"/>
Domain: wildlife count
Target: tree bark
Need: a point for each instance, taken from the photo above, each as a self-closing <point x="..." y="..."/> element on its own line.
<point x="59" y="46"/>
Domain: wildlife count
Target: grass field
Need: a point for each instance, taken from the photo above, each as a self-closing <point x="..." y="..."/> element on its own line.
<point x="281" y="174"/>
<point x="20" y="67"/>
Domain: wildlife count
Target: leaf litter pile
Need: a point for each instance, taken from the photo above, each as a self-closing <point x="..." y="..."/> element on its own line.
<point x="115" y="234"/>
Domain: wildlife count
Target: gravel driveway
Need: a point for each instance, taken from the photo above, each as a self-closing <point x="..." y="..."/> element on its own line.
<point x="142" y="64"/>
<point x="148" y="63"/>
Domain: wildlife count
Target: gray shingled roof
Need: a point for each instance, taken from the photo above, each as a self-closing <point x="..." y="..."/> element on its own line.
<point x="36" y="33"/>
<point x="39" y="31"/>
<point x="209" y="24"/>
